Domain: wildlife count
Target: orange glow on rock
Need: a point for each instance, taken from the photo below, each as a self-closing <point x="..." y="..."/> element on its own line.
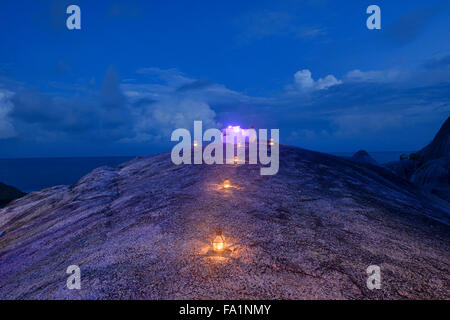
<point x="218" y="242"/>
<point x="227" y="184"/>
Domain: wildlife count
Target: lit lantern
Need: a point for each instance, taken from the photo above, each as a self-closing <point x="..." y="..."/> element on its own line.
<point x="218" y="242"/>
<point x="195" y="143"/>
<point x="226" y="184"/>
<point x="271" y="143"/>
<point x="235" y="159"/>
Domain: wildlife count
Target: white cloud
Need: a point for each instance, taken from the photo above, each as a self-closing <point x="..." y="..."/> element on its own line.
<point x="304" y="81"/>
<point x="310" y="32"/>
<point x="380" y="76"/>
<point x="7" y="129"/>
<point x="173" y="77"/>
<point x="149" y="108"/>
<point x="157" y="120"/>
<point x="164" y="108"/>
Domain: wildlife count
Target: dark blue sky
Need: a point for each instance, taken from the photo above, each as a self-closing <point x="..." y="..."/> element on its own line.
<point x="139" y="69"/>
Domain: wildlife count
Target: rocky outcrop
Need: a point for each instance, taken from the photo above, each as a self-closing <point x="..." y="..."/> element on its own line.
<point x="403" y="168"/>
<point x="144" y="231"/>
<point x="8" y="194"/>
<point x="429" y="168"/>
<point x="434" y="176"/>
<point x="440" y="146"/>
<point x="364" y="157"/>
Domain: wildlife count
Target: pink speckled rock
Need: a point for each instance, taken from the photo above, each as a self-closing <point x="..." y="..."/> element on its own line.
<point x="143" y="231"/>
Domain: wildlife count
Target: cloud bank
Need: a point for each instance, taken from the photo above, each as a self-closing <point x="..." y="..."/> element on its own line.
<point x="7" y="129"/>
<point x="305" y="82"/>
<point x="360" y="109"/>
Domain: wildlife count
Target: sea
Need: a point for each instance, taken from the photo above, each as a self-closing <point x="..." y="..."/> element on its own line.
<point x="380" y="157"/>
<point x="33" y="174"/>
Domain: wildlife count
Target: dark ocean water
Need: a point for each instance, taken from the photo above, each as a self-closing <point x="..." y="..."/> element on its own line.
<point x="380" y="157"/>
<point x="36" y="174"/>
<point x="30" y="175"/>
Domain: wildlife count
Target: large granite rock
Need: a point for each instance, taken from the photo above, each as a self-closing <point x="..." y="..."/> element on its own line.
<point x="8" y="194"/>
<point x="144" y="231"/>
<point x="434" y="176"/>
<point x="440" y="146"/>
<point x="364" y="157"/>
<point x="403" y="168"/>
<point x="429" y="168"/>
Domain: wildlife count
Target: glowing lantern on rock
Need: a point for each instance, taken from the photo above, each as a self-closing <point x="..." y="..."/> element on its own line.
<point x="195" y="143"/>
<point x="271" y="143"/>
<point x="218" y="242"/>
<point x="235" y="159"/>
<point x="226" y="184"/>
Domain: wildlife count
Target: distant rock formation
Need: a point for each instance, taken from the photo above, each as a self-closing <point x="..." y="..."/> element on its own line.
<point x="363" y="157"/>
<point x="429" y="168"/>
<point x="8" y="194"/>
<point x="434" y="176"/>
<point x="403" y="168"/>
<point x="440" y="146"/>
<point x="144" y="231"/>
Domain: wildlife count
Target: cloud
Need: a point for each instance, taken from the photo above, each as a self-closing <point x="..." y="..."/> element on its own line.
<point x="195" y="85"/>
<point x="375" y="76"/>
<point x="427" y="73"/>
<point x="170" y="101"/>
<point x="111" y="95"/>
<point x="7" y="129"/>
<point x="441" y="62"/>
<point x="305" y="83"/>
<point x="390" y="108"/>
<point x="156" y="122"/>
<point x="276" y="23"/>
<point x="267" y="23"/>
<point x="171" y="77"/>
<point x="101" y="115"/>
<point x="325" y="113"/>
<point x="311" y="32"/>
<point x="364" y="121"/>
<point x="170" y="84"/>
<point x="407" y="28"/>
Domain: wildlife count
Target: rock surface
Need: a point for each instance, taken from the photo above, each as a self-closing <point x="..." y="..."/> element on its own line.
<point x="8" y="194"/>
<point x="431" y="169"/>
<point x="434" y="176"/>
<point x="403" y="168"/>
<point x="144" y="231"/>
<point x="364" y="157"/>
<point x="440" y="146"/>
